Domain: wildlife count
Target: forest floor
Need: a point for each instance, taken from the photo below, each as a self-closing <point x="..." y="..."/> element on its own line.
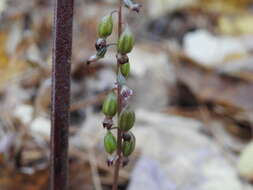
<point x="191" y="72"/>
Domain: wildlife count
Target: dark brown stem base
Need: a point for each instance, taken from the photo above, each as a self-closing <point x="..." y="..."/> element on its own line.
<point x="62" y="49"/>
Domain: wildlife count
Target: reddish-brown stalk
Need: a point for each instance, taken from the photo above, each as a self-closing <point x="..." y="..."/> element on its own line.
<point x="119" y="133"/>
<point x="62" y="34"/>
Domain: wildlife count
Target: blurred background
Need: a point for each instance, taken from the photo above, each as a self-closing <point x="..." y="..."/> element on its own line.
<point x="191" y="72"/>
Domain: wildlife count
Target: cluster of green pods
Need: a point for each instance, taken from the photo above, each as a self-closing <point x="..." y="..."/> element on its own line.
<point x="126" y="116"/>
<point x="126" y="121"/>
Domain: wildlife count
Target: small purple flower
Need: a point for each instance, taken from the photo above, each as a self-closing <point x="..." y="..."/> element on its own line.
<point x="111" y="159"/>
<point x="136" y="7"/>
<point x="126" y="92"/>
<point x="132" y="5"/>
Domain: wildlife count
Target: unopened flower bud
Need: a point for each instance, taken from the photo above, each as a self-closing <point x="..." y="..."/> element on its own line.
<point x="122" y="58"/>
<point x="126" y="119"/>
<point x="100" y="43"/>
<point x="110" y="142"/>
<point x="107" y="123"/>
<point x="129" y="146"/>
<point x="105" y="26"/>
<point x="126" y="92"/>
<point x="126" y="41"/>
<point x="125" y="69"/>
<point x="132" y="6"/>
<point x="110" y="105"/>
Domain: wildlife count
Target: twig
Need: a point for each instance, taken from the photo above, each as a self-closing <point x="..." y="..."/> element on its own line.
<point x="94" y="170"/>
<point x="84" y="103"/>
<point x="62" y="50"/>
<point x="204" y="113"/>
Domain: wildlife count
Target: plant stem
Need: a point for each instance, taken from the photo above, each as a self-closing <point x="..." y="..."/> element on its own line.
<point x="119" y="132"/>
<point x="62" y="50"/>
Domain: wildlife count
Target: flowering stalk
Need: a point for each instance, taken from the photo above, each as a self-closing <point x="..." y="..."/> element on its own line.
<point x="119" y="135"/>
<point x="117" y="101"/>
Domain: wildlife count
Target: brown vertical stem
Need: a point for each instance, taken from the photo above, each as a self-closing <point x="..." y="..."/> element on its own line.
<point x="62" y="48"/>
<point x="119" y="133"/>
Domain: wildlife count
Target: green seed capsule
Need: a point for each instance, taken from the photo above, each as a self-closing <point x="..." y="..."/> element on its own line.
<point x="126" y="42"/>
<point x="129" y="146"/>
<point x="105" y="27"/>
<point x="126" y="119"/>
<point x="110" y="105"/>
<point x="125" y="69"/>
<point x="110" y="143"/>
